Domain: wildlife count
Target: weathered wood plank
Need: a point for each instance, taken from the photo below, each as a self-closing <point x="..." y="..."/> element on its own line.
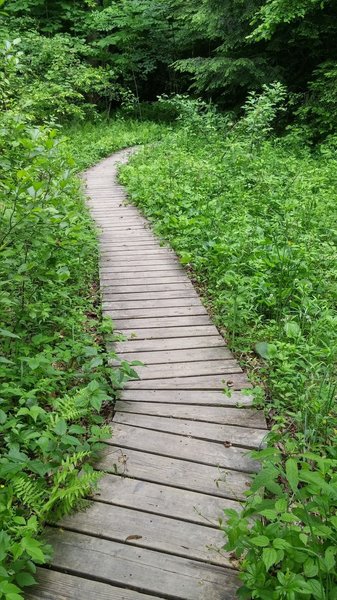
<point x="143" y="288"/>
<point x="204" y="397"/>
<point x="235" y="381"/>
<point x="150" y="261"/>
<point x="155" y="303"/>
<point x="173" y="274"/>
<point x="175" y="472"/>
<point x="129" y="245"/>
<point x="152" y="252"/>
<point x="245" y="437"/>
<point x="155" y="322"/>
<point x="54" y="585"/>
<point x="140" y="279"/>
<point x="181" y="295"/>
<point x="168" y="345"/>
<point x="141" y="569"/>
<point x="147" y="530"/>
<point x="163" y="500"/>
<point x="244" y="417"/>
<point x="145" y="313"/>
<point x="178" y="446"/>
<point x="161" y="266"/>
<point x="188" y="369"/>
<point x="176" y="356"/>
<point x="144" y="333"/>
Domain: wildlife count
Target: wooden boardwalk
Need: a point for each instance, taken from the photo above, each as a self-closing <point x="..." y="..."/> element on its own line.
<point x="178" y="452"/>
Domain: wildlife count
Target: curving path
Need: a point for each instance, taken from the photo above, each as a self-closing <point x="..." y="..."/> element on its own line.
<point x="178" y="454"/>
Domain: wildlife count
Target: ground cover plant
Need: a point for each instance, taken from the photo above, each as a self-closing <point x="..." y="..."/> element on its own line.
<point x="253" y="217"/>
<point x="89" y="142"/>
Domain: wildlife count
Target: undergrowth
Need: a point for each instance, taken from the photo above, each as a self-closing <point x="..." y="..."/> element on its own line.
<point x="254" y="217"/>
<point x="91" y="141"/>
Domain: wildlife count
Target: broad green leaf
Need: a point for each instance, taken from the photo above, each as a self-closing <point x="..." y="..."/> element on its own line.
<point x="33" y="548"/>
<point x="281" y="544"/>
<point x="60" y="427"/>
<point x="292" y="329"/>
<point x="260" y="540"/>
<point x="269" y="557"/>
<point x="262" y="349"/>
<point x="292" y="473"/>
<point x="24" y="579"/>
<point x="6" y="333"/>
<point x="310" y="568"/>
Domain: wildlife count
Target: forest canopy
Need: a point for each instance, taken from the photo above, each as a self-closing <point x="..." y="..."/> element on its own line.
<point x="107" y="53"/>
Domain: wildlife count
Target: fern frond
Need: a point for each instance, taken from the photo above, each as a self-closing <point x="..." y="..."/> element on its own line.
<point x="30" y="493"/>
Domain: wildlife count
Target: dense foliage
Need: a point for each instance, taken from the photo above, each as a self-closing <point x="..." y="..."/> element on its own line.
<point x="110" y="52"/>
<point x="254" y="218"/>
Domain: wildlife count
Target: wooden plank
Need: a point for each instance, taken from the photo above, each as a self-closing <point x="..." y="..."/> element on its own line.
<point x="203" y="397"/>
<point x="127" y="267"/>
<point x="132" y="281"/>
<point x="146" y="530"/>
<point x="55" y="585"/>
<point x="147" y="260"/>
<point x="156" y="322"/>
<point x="144" y="288"/>
<point x="163" y="500"/>
<point x="152" y="357"/>
<point x="154" y="303"/>
<point x="144" y="313"/>
<point x="115" y="223"/>
<point x="178" y="446"/>
<point x="167" y="345"/>
<point x="175" y="274"/>
<point x="175" y="472"/>
<point x="130" y="244"/>
<point x="184" y="295"/>
<point x="141" y="569"/>
<point x="235" y="381"/>
<point x="143" y="333"/>
<point x="244" y="417"/>
<point x="152" y="252"/>
<point x="122" y="236"/>
<point x="245" y="437"/>
<point x="188" y="369"/>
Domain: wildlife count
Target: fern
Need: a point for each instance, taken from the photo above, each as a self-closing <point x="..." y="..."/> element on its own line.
<point x="30" y="493"/>
<point x="70" y="408"/>
<point x="70" y="485"/>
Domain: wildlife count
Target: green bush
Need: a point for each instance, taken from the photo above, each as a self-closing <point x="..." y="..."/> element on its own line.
<point x="254" y="218"/>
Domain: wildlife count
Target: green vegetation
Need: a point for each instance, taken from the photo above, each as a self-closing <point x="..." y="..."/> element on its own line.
<point x="254" y="219"/>
<point x="90" y="142"/>
<point x="241" y="183"/>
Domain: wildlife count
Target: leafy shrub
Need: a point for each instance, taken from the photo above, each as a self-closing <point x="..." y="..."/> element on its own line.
<point x="286" y="534"/>
<point x="56" y="83"/>
<point x="254" y="217"/>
